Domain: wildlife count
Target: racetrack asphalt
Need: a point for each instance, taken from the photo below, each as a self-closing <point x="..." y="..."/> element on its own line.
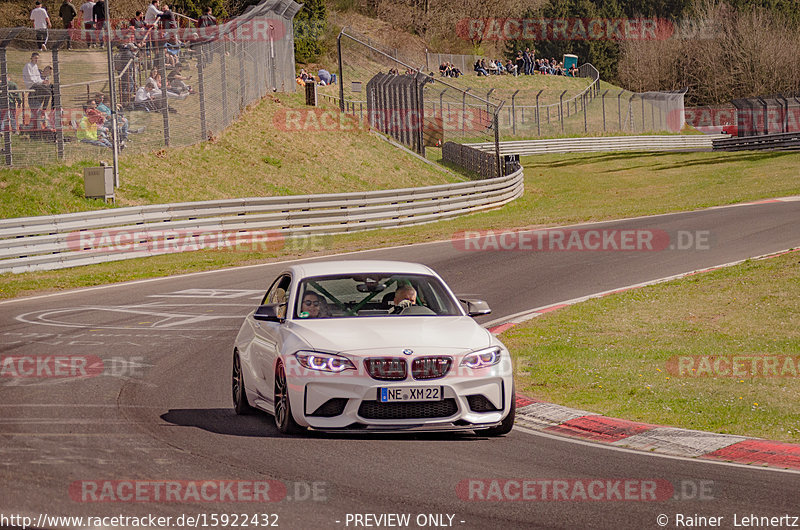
<point x="161" y="410"/>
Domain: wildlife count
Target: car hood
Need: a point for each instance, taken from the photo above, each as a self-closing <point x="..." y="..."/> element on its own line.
<point x="393" y="334"/>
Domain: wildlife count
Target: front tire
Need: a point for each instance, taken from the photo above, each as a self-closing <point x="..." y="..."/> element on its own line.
<point x="284" y="420"/>
<point x="508" y="422"/>
<point x="240" y="403"/>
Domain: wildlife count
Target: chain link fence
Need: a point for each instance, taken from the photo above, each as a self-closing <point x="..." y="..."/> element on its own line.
<point x="204" y="77"/>
<point x="433" y="113"/>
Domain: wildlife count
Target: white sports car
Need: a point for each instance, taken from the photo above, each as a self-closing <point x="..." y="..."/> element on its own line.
<point x="371" y="346"/>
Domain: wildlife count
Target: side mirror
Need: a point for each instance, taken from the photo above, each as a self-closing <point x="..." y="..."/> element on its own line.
<point x="269" y="313"/>
<point x="475" y="307"/>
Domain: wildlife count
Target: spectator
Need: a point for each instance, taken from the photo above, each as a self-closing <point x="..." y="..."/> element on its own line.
<point x="480" y="69"/>
<point x="169" y="21"/>
<point x="68" y="13"/>
<point x="145" y="100"/>
<point x="89" y="132"/>
<point x="511" y="68"/>
<point x="177" y="81"/>
<point x="155" y="79"/>
<point x="41" y="21"/>
<point x="527" y="60"/>
<point x="324" y="76"/>
<point x="99" y="17"/>
<point x="138" y="28"/>
<point x="122" y="121"/>
<point x="125" y="65"/>
<point x="153" y="14"/>
<point x="573" y="70"/>
<point x="40" y="92"/>
<point x="87" y="10"/>
<point x="9" y="121"/>
<point x="204" y="25"/>
<point x="172" y="51"/>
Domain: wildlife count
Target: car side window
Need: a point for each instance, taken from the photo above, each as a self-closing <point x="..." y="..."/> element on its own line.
<point x="278" y="293"/>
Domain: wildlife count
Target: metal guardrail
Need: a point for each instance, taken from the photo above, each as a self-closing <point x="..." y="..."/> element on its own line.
<point x="789" y="140"/>
<point x="49" y="242"/>
<point x="607" y="143"/>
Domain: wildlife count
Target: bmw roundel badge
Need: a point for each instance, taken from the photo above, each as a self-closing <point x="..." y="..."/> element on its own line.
<point x="408" y="352"/>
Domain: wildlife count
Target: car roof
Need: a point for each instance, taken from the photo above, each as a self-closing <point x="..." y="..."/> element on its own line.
<point x="324" y="268"/>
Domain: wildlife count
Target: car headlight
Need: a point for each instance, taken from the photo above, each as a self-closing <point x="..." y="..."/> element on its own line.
<point x="482" y="358"/>
<point x="323" y="362"/>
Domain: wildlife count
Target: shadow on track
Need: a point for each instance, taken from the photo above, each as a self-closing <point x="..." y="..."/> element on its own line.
<point x="261" y="425"/>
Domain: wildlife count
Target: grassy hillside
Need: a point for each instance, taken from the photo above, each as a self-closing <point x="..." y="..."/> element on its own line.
<point x="252" y="158"/>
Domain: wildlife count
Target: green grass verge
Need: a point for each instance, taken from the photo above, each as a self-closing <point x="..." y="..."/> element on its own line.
<point x="559" y="189"/>
<point x="612" y="355"/>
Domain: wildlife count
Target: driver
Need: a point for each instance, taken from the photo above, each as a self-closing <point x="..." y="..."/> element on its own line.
<point x="404" y="296"/>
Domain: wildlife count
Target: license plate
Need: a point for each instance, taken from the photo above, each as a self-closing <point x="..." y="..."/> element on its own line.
<point x="410" y="393"/>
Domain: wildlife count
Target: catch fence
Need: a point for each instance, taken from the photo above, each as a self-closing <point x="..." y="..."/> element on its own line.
<point x="396" y="96"/>
<point x="224" y="68"/>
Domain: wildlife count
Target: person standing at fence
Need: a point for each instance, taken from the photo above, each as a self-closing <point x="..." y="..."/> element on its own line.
<point x="204" y="25"/>
<point x="99" y="17"/>
<point x="153" y="14"/>
<point x="87" y="10"/>
<point x="41" y="21"/>
<point x="68" y="13"/>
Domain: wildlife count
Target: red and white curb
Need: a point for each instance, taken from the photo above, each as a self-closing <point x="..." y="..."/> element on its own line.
<point x="557" y="419"/>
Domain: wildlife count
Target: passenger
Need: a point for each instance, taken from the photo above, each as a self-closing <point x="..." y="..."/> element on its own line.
<point x="314" y="306"/>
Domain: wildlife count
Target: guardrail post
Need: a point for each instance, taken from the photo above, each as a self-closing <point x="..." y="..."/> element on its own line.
<point x="5" y="110"/>
<point x="514" y="113"/>
<point x="603" y="100"/>
<point x="561" y="109"/>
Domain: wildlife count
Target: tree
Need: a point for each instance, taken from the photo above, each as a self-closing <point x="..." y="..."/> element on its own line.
<point x="309" y="28"/>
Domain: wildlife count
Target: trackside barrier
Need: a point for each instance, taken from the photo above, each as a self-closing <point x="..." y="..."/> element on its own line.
<point x="48" y="242"/>
<point x="789" y="140"/>
<point x="608" y="143"/>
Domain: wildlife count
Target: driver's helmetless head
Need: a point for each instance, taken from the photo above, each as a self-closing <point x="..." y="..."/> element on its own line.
<point x="311" y="304"/>
<point x="405" y="292"/>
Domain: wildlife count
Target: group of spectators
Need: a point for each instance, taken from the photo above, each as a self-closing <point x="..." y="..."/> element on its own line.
<point x="96" y="123"/>
<point x="449" y="70"/>
<point x="525" y="63"/>
<point x="323" y="78"/>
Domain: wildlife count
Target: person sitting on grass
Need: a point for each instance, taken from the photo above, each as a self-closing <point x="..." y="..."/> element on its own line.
<point x="145" y="100"/>
<point x="480" y="69"/>
<point x="177" y="81"/>
<point x="89" y="132"/>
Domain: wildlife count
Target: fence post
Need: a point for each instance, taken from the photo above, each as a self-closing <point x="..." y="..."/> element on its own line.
<point x="630" y="112"/>
<point x="201" y="93"/>
<point x="489" y="93"/>
<point x="224" y="82"/>
<point x="162" y="68"/>
<point x="643" y="127"/>
<point x="585" y="123"/>
<point x="603" y="99"/>
<point x="242" y="77"/>
<point x="538" y="127"/>
<point x="464" y="109"/>
<point x="57" y="104"/>
<point x="561" y="109"/>
<point x="497" y="144"/>
<point x="653" y="114"/>
<point x="514" y="113"/>
<point x="341" y="70"/>
<point x="619" y="108"/>
<point x="4" y="106"/>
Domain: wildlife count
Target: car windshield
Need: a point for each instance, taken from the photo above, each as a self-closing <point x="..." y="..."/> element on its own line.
<point x="365" y="295"/>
